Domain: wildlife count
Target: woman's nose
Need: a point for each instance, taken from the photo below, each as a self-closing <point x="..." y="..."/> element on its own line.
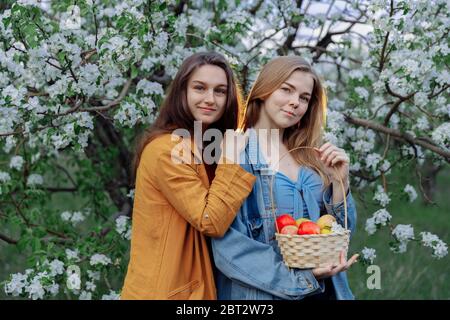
<point x="209" y="98"/>
<point x="294" y="104"/>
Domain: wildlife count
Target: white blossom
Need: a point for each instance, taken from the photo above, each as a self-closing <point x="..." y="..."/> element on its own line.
<point x="381" y="196"/>
<point x="74" y="217"/>
<point x="127" y="114"/>
<point x="94" y="275"/>
<point x="4" y="177"/>
<point x="380" y="217"/>
<point x="84" y="295"/>
<point x="35" y="289"/>
<point x="332" y="138"/>
<point x="17" y="284"/>
<point x="16" y="162"/>
<point x="84" y="119"/>
<point x="123" y="226"/>
<point x="422" y="124"/>
<point x="442" y="134"/>
<point x="403" y="233"/>
<point x="111" y="296"/>
<point x="371" y="226"/>
<point x="335" y="121"/>
<point x="411" y="192"/>
<point x="362" y="93"/>
<point x="129" y="195"/>
<point x="356" y="74"/>
<point x="368" y="254"/>
<point x="421" y="98"/>
<point x="35" y="180"/>
<point x="336" y="104"/>
<point x="10" y="143"/>
<point x="56" y="267"/>
<point x="90" y="285"/>
<point x="149" y="87"/>
<point x="53" y="288"/>
<point x="440" y="248"/>
<point x="372" y="160"/>
<point x="72" y="255"/>
<point x="386" y="167"/>
<point x="99" y="259"/>
<point x="77" y="217"/>
<point x="66" y="215"/>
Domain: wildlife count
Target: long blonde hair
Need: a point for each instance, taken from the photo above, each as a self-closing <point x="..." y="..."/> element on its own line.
<point x="310" y="132"/>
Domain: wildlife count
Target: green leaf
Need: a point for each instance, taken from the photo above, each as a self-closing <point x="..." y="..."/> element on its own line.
<point x="36" y="244"/>
<point x="134" y="71"/>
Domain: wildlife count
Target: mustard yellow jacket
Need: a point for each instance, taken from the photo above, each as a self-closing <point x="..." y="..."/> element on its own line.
<point x="175" y="207"/>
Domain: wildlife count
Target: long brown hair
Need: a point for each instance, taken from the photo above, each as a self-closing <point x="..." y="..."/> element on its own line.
<point x="310" y="132"/>
<point x="175" y="113"/>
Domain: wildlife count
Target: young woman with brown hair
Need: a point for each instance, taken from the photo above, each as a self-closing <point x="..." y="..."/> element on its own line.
<point x="177" y="204"/>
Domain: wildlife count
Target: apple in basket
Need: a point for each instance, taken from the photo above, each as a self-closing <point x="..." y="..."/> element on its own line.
<point x="285" y="220"/>
<point x="292" y="230"/>
<point x="308" y="227"/>
<point x="325" y="223"/>
<point x="298" y="222"/>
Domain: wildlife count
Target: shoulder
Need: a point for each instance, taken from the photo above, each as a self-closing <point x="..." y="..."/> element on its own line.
<point x="161" y="145"/>
<point x="167" y="148"/>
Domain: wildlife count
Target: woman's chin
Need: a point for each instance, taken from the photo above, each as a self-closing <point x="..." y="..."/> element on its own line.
<point x="283" y="124"/>
<point x="206" y="120"/>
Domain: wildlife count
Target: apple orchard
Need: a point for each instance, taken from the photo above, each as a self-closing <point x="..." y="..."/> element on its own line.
<point x="79" y="82"/>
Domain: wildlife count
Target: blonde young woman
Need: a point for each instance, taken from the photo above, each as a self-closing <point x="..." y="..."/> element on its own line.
<point x="288" y="97"/>
<point x="179" y="203"/>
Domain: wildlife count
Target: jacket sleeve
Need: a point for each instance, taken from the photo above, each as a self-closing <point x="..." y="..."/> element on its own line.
<point x="256" y="264"/>
<point x="211" y="211"/>
<point x="337" y="210"/>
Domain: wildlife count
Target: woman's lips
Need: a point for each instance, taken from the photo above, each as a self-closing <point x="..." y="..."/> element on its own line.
<point x="206" y="109"/>
<point x="291" y="114"/>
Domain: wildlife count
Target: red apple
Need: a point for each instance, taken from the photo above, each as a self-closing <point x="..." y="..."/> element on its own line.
<point x="285" y="220"/>
<point x="289" y="230"/>
<point x="308" y="227"/>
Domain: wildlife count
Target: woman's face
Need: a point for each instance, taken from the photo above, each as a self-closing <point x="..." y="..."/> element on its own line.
<point x="288" y="103"/>
<point x="207" y="93"/>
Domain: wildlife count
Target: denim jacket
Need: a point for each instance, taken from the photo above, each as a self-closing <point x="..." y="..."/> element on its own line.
<point x="248" y="259"/>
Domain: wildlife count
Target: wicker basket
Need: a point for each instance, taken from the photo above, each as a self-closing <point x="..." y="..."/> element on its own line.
<point x="311" y="251"/>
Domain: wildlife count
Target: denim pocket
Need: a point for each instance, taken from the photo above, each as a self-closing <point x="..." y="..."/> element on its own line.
<point x="256" y="229"/>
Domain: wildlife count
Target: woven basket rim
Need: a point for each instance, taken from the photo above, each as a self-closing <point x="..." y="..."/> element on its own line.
<point x="345" y="232"/>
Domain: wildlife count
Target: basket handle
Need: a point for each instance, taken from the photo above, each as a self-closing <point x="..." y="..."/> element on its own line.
<point x="271" y="189"/>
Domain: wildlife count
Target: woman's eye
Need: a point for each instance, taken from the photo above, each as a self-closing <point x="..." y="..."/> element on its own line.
<point x="304" y="99"/>
<point x="287" y="90"/>
<point x="198" y="88"/>
<point x="221" y="91"/>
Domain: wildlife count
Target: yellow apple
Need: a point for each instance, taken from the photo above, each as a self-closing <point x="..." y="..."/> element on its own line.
<point x="299" y="221"/>
<point x="325" y="231"/>
<point x="326" y="221"/>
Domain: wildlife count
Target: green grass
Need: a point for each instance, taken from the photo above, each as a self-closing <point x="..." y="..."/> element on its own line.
<point x="414" y="274"/>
